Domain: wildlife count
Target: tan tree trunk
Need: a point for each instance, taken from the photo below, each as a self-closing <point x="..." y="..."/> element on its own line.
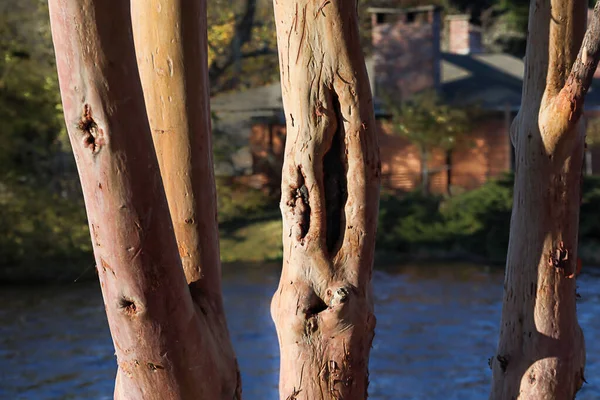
<point x="164" y="346"/>
<point x="323" y="308"/>
<point x="541" y="351"/>
<point x="171" y="46"/>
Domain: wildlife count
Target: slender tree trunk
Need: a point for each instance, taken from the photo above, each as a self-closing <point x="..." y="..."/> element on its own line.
<point x="159" y="337"/>
<point x="449" y="172"/>
<point x="541" y="351"/>
<point x="323" y="308"/>
<point x="173" y="68"/>
<point x="425" y="171"/>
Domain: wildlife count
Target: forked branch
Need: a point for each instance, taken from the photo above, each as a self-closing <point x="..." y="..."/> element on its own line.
<point x="582" y="73"/>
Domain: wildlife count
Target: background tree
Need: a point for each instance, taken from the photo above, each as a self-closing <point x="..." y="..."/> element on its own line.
<point x="323" y="308"/>
<point x="541" y="352"/>
<point x="169" y="334"/>
<point x="242" y="44"/>
<point x="504" y="24"/>
<point x="430" y="124"/>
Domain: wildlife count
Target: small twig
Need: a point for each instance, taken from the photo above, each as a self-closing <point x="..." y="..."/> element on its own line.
<point x="84" y="272"/>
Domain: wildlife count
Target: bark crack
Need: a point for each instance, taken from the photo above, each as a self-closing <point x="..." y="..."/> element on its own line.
<point x="302" y="35"/>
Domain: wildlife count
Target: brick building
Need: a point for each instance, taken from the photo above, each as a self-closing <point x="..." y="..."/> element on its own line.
<point x="413" y="50"/>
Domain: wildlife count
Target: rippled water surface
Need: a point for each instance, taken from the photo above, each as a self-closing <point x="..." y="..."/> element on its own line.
<point x="436" y="328"/>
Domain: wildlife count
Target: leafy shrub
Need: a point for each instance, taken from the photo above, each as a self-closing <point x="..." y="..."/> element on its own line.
<point x="478" y="221"/>
<point x="410" y="221"/>
<point x="475" y="222"/>
<point x="43" y="234"/>
<point x="236" y="202"/>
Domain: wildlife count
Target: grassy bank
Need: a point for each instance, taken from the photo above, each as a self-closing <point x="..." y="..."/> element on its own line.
<point x="45" y="238"/>
<point x="256" y="242"/>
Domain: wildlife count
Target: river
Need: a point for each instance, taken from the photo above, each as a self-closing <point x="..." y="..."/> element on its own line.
<point x="436" y="328"/>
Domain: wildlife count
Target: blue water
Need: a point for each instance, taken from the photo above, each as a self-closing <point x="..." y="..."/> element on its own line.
<point x="436" y="328"/>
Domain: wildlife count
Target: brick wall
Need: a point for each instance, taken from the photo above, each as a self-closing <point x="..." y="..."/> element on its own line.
<point x="486" y="155"/>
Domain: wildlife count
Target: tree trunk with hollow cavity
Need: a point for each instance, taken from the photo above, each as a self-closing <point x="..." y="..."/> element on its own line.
<point x="323" y="308"/>
<point x="164" y="340"/>
<point x="541" y="351"/>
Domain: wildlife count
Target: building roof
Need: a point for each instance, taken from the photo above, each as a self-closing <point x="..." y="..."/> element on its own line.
<point x="492" y="81"/>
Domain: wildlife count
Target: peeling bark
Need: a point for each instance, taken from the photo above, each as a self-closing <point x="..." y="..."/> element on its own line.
<point x="160" y="338"/>
<point x="323" y="310"/>
<point x="541" y="352"/>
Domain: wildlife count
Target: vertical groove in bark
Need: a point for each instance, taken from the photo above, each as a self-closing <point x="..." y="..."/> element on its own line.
<point x="541" y="351"/>
<point x="173" y="68"/>
<point x="156" y="330"/>
<point x="323" y="309"/>
<point x="335" y="183"/>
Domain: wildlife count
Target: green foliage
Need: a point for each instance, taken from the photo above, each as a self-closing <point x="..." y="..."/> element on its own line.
<point x="409" y="222"/>
<point x="242" y="44"/>
<point x="592" y="133"/>
<point x="475" y="223"/>
<point x="257" y="241"/>
<point x="42" y="233"/>
<point x="30" y="114"/>
<point x="40" y="229"/>
<point x="237" y="202"/>
<point x="479" y="221"/>
<point x="429" y="122"/>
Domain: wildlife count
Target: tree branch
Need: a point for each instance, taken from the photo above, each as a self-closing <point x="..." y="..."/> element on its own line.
<point x="582" y="73"/>
<point x="566" y="22"/>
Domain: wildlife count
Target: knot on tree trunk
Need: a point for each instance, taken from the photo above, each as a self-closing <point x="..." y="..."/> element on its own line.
<point x="93" y="137"/>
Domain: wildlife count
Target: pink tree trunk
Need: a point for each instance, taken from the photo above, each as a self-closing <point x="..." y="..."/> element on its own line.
<point x="323" y="308"/>
<point x="166" y="344"/>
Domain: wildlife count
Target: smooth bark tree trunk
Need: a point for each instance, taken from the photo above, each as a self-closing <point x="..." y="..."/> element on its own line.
<point x="541" y="351"/>
<point x="323" y="308"/>
<point x="159" y="336"/>
<point x="171" y="46"/>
